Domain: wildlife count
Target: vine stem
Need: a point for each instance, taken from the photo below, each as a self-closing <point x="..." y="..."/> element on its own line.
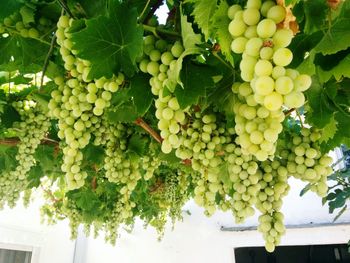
<point x="153" y="10"/>
<point x="144" y="10"/>
<point x="46" y="63"/>
<point x="289" y="112"/>
<point x="156" y="30"/>
<point x="140" y="122"/>
<point x="15" y="141"/>
<point x="64" y="6"/>
<point x="300" y="119"/>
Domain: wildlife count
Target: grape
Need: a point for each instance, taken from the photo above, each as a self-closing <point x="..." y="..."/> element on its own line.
<point x="253" y="46"/>
<point x="282" y="57"/>
<point x="294" y="99"/>
<point x="238" y="45"/>
<point x="266" y="28"/>
<point x="302" y="82"/>
<point x="284" y="85"/>
<point x="263" y="68"/>
<point x="277" y="13"/>
<point x="282" y="37"/>
<point x="264" y="85"/>
<point x="233" y="10"/>
<point x="265" y="7"/>
<point x="273" y="101"/>
<point x="251" y="16"/>
<point x="237" y="27"/>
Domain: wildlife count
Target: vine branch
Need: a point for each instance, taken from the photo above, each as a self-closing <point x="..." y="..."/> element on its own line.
<point x="140" y="122"/>
<point x="47" y="59"/>
<point x="157" y="30"/>
<point x="15" y="141"/>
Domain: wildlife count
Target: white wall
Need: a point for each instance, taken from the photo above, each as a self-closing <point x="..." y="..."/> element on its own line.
<point x="199" y="239"/>
<point x="20" y="228"/>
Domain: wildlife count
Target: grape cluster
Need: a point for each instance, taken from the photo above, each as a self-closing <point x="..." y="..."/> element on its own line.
<point x="305" y="160"/>
<point x="257" y="127"/>
<point x="263" y="45"/>
<point x="272" y="228"/>
<point x="159" y="61"/>
<point x="77" y="104"/>
<point x="14" y="24"/>
<point x="30" y="131"/>
<point x="150" y="164"/>
<point x="71" y="211"/>
<point x="245" y="177"/>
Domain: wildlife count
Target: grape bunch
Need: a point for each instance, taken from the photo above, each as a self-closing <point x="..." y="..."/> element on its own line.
<point x="71" y="211"/>
<point x="77" y="104"/>
<point x="244" y="176"/>
<point x="159" y="61"/>
<point x="15" y="24"/>
<point x="257" y="127"/>
<point x="30" y="131"/>
<point x="305" y="160"/>
<point x="263" y="44"/>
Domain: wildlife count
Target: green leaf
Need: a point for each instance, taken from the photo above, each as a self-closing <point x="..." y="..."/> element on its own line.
<point x="315" y="15"/>
<point x="87" y="200"/>
<point x="9" y="116"/>
<point x="203" y="12"/>
<point x="336" y="39"/>
<point x="189" y="38"/>
<point x="197" y="80"/>
<point x="27" y="14"/>
<point x="111" y="43"/>
<point x="124" y="113"/>
<point x="174" y="76"/>
<point x="138" y="144"/>
<point x="141" y="93"/>
<point x="321" y="112"/>
<point x="93" y="155"/>
<point x="329" y="130"/>
<point x="340" y="213"/>
<point x="8" y="7"/>
<point x="34" y="176"/>
<point x="220" y="22"/>
<point x="339" y="71"/>
<point x="308" y="65"/>
<point x="88" y="8"/>
<point x="305" y="190"/>
<point x="45" y="155"/>
<point x="23" y="51"/>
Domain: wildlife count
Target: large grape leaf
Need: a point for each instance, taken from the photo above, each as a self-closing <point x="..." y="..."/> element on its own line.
<point x="141" y="94"/>
<point x="203" y="12"/>
<point x="339" y="71"/>
<point x="220" y="22"/>
<point x="197" y="80"/>
<point x="321" y="109"/>
<point x="329" y="130"/>
<point x="111" y="43"/>
<point x="22" y="52"/>
<point x="8" y="7"/>
<point x="88" y="8"/>
<point x="338" y="36"/>
<point x="315" y="15"/>
<point x="189" y="38"/>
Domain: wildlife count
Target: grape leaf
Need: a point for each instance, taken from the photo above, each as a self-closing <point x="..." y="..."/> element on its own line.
<point x="111" y="43"/>
<point x="8" y="7"/>
<point x="88" y="8"/>
<point x="23" y="51"/>
<point x="141" y="93"/>
<point x="174" y="75"/>
<point x="196" y="81"/>
<point x="315" y="15"/>
<point x="329" y="130"/>
<point x="93" y="155"/>
<point x="34" y="176"/>
<point x="321" y="110"/>
<point x="220" y="22"/>
<point x="203" y="12"/>
<point x="138" y="144"/>
<point x="44" y="154"/>
<point x="189" y="38"/>
<point x="339" y="71"/>
<point x="27" y="14"/>
<point x="124" y="113"/>
<point x="336" y="39"/>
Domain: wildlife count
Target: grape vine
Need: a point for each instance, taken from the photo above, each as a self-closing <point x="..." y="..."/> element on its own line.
<point x="114" y="116"/>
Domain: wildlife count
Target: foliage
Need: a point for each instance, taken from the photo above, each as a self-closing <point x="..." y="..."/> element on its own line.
<point x="144" y="117"/>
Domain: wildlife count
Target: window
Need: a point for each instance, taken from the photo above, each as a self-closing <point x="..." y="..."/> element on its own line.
<point x="15" y="256"/>
<point x="294" y="254"/>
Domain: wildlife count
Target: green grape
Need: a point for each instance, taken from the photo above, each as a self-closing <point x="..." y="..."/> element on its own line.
<point x="294" y="99"/>
<point x="282" y="38"/>
<point x="282" y="57"/>
<point x="231" y="12"/>
<point x="251" y="16"/>
<point x="277" y="13"/>
<point x="266" y="28"/>
<point x="237" y="27"/>
<point x="284" y="85"/>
